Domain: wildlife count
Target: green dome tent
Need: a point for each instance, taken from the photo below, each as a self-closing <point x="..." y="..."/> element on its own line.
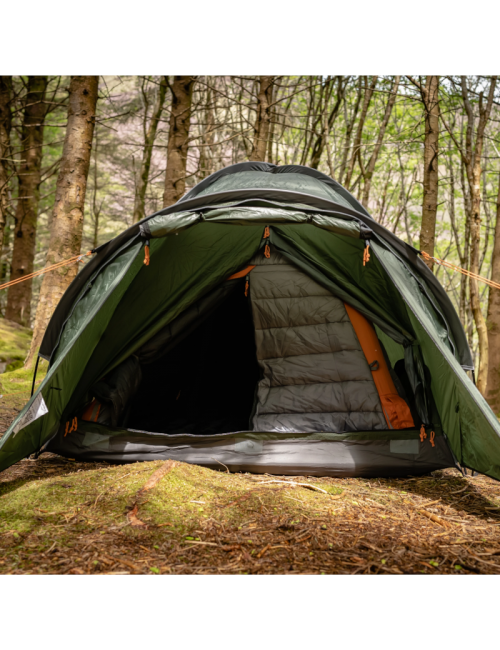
<point x="267" y="323"/>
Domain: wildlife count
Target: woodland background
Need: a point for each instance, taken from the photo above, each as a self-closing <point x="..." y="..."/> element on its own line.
<point x="82" y="158"/>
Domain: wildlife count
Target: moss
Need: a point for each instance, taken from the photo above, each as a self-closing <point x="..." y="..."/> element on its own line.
<point x="15" y="386"/>
<point x="182" y="500"/>
<point x="15" y="341"/>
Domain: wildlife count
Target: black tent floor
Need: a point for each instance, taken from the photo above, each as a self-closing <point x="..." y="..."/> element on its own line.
<point x="369" y="454"/>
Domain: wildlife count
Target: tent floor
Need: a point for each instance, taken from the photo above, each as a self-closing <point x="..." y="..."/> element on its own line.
<point x="363" y="454"/>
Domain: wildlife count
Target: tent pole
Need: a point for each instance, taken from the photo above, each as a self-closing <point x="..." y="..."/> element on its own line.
<point x="34" y="376"/>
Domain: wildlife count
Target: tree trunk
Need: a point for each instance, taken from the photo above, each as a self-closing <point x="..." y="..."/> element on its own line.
<point x="326" y="125"/>
<point x="149" y="139"/>
<point x="370" y="168"/>
<point x="473" y="168"/>
<point x="359" y="131"/>
<point x="206" y="153"/>
<point x="431" y="149"/>
<point x="29" y="178"/>
<point x="178" y="139"/>
<point x="349" y="129"/>
<point x="493" y="321"/>
<point x="5" y="126"/>
<point x="465" y="313"/>
<point x="66" y="225"/>
<point x="263" y="120"/>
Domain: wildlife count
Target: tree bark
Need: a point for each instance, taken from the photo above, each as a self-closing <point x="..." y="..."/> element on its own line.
<point x="430" y="100"/>
<point x="149" y="139"/>
<point x="5" y="126"/>
<point x="349" y="129"/>
<point x="206" y="153"/>
<point x="369" y="90"/>
<point x="493" y="321"/>
<point x="370" y="168"/>
<point x="263" y="120"/>
<point x="66" y="225"/>
<point x="326" y="125"/>
<point x="178" y="139"/>
<point x="473" y="168"/>
<point x="29" y="178"/>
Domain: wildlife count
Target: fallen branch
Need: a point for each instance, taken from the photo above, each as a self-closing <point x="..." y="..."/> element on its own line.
<point x="155" y="478"/>
<point x="434" y="518"/>
<point x="308" y="486"/>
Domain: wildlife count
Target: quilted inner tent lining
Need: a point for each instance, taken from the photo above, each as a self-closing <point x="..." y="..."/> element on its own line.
<point x="315" y="376"/>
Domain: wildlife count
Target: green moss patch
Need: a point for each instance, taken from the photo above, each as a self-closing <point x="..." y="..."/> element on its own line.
<point x="15" y="341"/>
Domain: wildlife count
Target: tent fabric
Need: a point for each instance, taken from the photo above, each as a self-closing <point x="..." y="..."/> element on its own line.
<point x="163" y="225"/>
<point x="315" y="375"/>
<point x="116" y="305"/>
<point x="258" y="197"/>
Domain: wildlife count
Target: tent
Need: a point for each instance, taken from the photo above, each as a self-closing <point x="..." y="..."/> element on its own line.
<point x="265" y="323"/>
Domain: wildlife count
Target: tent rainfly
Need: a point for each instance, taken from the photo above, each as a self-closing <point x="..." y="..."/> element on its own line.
<point x="265" y="322"/>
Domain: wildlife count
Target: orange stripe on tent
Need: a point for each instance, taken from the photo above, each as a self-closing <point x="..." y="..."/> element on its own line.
<point x="241" y="274"/>
<point x="90" y="414"/>
<point x="396" y="410"/>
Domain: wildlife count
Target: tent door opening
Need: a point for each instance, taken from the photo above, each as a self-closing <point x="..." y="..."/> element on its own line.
<point x="206" y="383"/>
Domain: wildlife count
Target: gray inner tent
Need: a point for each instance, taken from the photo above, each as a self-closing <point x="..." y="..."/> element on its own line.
<point x="315" y="376"/>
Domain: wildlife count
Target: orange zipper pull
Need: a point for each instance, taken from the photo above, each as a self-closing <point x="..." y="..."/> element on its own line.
<point x="366" y="252"/>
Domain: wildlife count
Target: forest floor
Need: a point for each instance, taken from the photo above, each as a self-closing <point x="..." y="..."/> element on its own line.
<point x="59" y="516"/>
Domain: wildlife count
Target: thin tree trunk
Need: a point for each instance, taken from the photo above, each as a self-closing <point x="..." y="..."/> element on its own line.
<point x="462" y="253"/>
<point x="465" y="313"/>
<point x="272" y="128"/>
<point x="263" y="120"/>
<point x="493" y="321"/>
<point x="5" y="126"/>
<point x="66" y="225"/>
<point x="149" y="139"/>
<point x="29" y="175"/>
<point x="206" y="153"/>
<point x="359" y="131"/>
<point x="349" y="130"/>
<point x="178" y="139"/>
<point x="96" y="211"/>
<point x="370" y="168"/>
<point x="431" y="150"/>
<point x="473" y="167"/>
<point x="327" y="124"/>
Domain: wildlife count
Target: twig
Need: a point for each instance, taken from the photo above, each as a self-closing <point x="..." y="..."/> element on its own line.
<point x="218" y="461"/>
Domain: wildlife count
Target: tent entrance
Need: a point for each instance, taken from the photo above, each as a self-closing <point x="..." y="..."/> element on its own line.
<point x="206" y="383"/>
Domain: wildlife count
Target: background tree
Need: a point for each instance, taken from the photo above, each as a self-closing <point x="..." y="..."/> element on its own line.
<point x="471" y="155"/>
<point x="67" y="218"/>
<point x="149" y="139"/>
<point x="5" y="126"/>
<point x="493" y="319"/>
<point x="29" y="179"/>
<point x="178" y="139"/>
<point x="263" y="119"/>
<point x="430" y="100"/>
